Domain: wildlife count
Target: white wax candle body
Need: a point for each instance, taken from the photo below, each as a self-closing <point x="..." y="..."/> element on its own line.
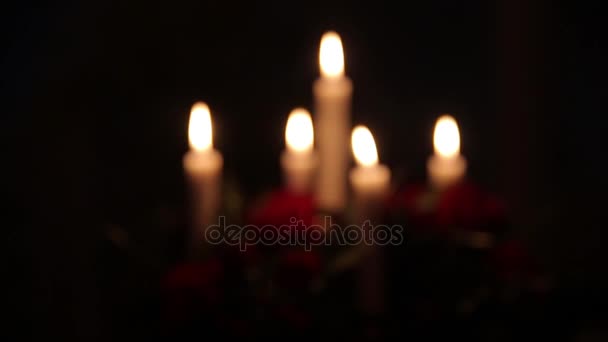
<point x="204" y="172"/>
<point x="332" y="128"/>
<point x="446" y="167"/>
<point x="445" y="171"/>
<point x="370" y="187"/>
<point x="298" y="170"/>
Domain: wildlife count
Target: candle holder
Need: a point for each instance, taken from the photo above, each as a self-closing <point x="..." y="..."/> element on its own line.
<point x="454" y="258"/>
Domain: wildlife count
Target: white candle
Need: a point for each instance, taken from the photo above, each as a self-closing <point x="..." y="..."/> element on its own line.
<point x="332" y="93"/>
<point x="370" y="183"/>
<point x="370" y="180"/>
<point x="203" y="168"/>
<point x="446" y="167"/>
<point x="298" y="161"/>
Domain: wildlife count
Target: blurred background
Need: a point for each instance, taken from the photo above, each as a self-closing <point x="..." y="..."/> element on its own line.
<point x="96" y="98"/>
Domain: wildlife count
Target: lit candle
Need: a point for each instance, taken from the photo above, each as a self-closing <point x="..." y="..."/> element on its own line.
<point x="298" y="160"/>
<point x="446" y="167"/>
<point x="370" y="183"/>
<point x="203" y="168"/>
<point x="370" y="180"/>
<point x="332" y="93"/>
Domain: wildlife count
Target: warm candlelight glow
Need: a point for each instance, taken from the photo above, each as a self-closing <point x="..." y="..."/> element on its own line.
<point x="331" y="55"/>
<point x="446" y="139"/>
<point x="199" y="129"/>
<point x="299" y="132"/>
<point x="364" y="146"/>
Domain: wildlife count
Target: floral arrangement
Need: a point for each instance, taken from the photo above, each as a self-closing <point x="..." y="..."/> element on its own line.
<point x="457" y="256"/>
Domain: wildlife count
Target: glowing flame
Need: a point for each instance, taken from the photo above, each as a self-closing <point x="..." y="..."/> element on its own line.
<point x="446" y="139"/>
<point x="364" y="146"/>
<point x="199" y="129"/>
<point x="299" y="134"/>
<point x="331" y="55"/>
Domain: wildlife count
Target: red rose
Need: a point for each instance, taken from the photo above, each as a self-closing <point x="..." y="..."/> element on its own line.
<point x="280" y="207"/>
<point x="193" y="283"/>
<point x="418" y="204"/>
<point x="297" y="268"/>
<point x="282" y="210"/>
<point x="466" y="206"/>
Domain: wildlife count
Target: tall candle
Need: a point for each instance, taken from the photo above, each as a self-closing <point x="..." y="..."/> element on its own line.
<point x="203" y="168"/>
<point x="370" y="180"/>
<point x="446" y="167"/>
<point x="332" y="93"/>
<point x="298" y="161"/>
<point x="370" y="184"/>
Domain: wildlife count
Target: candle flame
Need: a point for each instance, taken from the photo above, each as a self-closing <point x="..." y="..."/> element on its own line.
<point x="299" y="134"/>
<point x="446" y="138"/>
<point x="200" y="133"/>
<point x="331" y="55"/>
<point x="364" y="146"/>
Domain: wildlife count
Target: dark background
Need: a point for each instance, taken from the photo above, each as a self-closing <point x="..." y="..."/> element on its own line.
<point x="96" y="97"/>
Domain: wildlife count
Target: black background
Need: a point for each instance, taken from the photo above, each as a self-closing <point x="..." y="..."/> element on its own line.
<point x="96" y="97"/>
